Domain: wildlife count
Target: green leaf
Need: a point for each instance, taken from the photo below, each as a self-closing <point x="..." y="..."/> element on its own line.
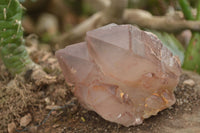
<point x="186" y="9"/>
<point x="12" y="50"/>
<point x="192" y="60"/>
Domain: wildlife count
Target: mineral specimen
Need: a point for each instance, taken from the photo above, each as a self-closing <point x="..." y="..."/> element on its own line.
<point x="122" y="73"/>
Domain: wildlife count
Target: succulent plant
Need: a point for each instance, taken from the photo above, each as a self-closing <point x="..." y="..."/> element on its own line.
<point x="192" y="60"/>
<point x="12" y="50"/>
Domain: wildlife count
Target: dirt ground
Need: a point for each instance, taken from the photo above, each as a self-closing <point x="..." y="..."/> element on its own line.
<point x="29" y="98"/>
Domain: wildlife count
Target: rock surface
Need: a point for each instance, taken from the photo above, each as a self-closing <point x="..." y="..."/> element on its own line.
<point x="25" y="120"/>
<point x="11" y="127"/>
<point x="122" y="73"/>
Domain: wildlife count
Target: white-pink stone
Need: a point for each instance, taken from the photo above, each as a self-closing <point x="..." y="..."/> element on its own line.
<point x="122" y="73"/>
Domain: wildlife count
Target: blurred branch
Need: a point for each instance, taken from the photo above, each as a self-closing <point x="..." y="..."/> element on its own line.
<point x="112" y="13"/>
<point x="116" y="13"/>
<point x="165" y="23"/>
<point x="105" y="3"/>
<point x="79" y="30"/>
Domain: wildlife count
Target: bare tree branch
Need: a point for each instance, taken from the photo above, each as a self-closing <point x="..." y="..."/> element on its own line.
<point x="79" y="31"/>
<point x="165" y="23"/>
<point x="116" y="13"/>
<point x="113" y="13"/>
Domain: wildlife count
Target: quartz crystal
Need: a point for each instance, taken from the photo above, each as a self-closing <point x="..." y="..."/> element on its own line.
<point x="122" y="73"/>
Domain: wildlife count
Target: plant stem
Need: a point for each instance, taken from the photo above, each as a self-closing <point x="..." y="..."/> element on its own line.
<point x="198" y="11"/>
<point x="186" y="9"/>
<point x="192" y="60"/>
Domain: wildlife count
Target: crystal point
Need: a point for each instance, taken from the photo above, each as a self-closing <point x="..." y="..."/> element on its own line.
<point x="122" y="73"/>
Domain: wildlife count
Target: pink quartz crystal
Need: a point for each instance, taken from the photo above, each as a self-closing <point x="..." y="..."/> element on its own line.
<point x="122" y="73"/>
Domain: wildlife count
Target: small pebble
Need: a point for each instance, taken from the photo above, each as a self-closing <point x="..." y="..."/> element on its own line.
<point x="24" y="121"/>
<point x="83" y="119"/>
<point x="11" y="127"/>
<point x="189" y="82"/>
<point x="33" y="129"/>
<point x="55" y="107"/>
<point x="47" y="100"/>
<point x="55" y="125"/>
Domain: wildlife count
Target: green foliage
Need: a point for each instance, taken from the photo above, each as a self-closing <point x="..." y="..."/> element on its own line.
<point x="170" y="41"/>
<point x="186" y="9"/>
<point x="12" y="50"/>
<point x="192" y="59"/>
<point x="87" y="10"/>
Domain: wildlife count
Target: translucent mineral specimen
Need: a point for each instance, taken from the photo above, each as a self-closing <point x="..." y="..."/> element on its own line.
<point x="122" y="73"/>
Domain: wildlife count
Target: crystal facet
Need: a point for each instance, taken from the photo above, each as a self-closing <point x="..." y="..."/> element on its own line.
<point x="121" y="72"/>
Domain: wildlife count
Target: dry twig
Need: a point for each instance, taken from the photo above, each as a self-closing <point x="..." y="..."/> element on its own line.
<point x="165" y="23"/>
